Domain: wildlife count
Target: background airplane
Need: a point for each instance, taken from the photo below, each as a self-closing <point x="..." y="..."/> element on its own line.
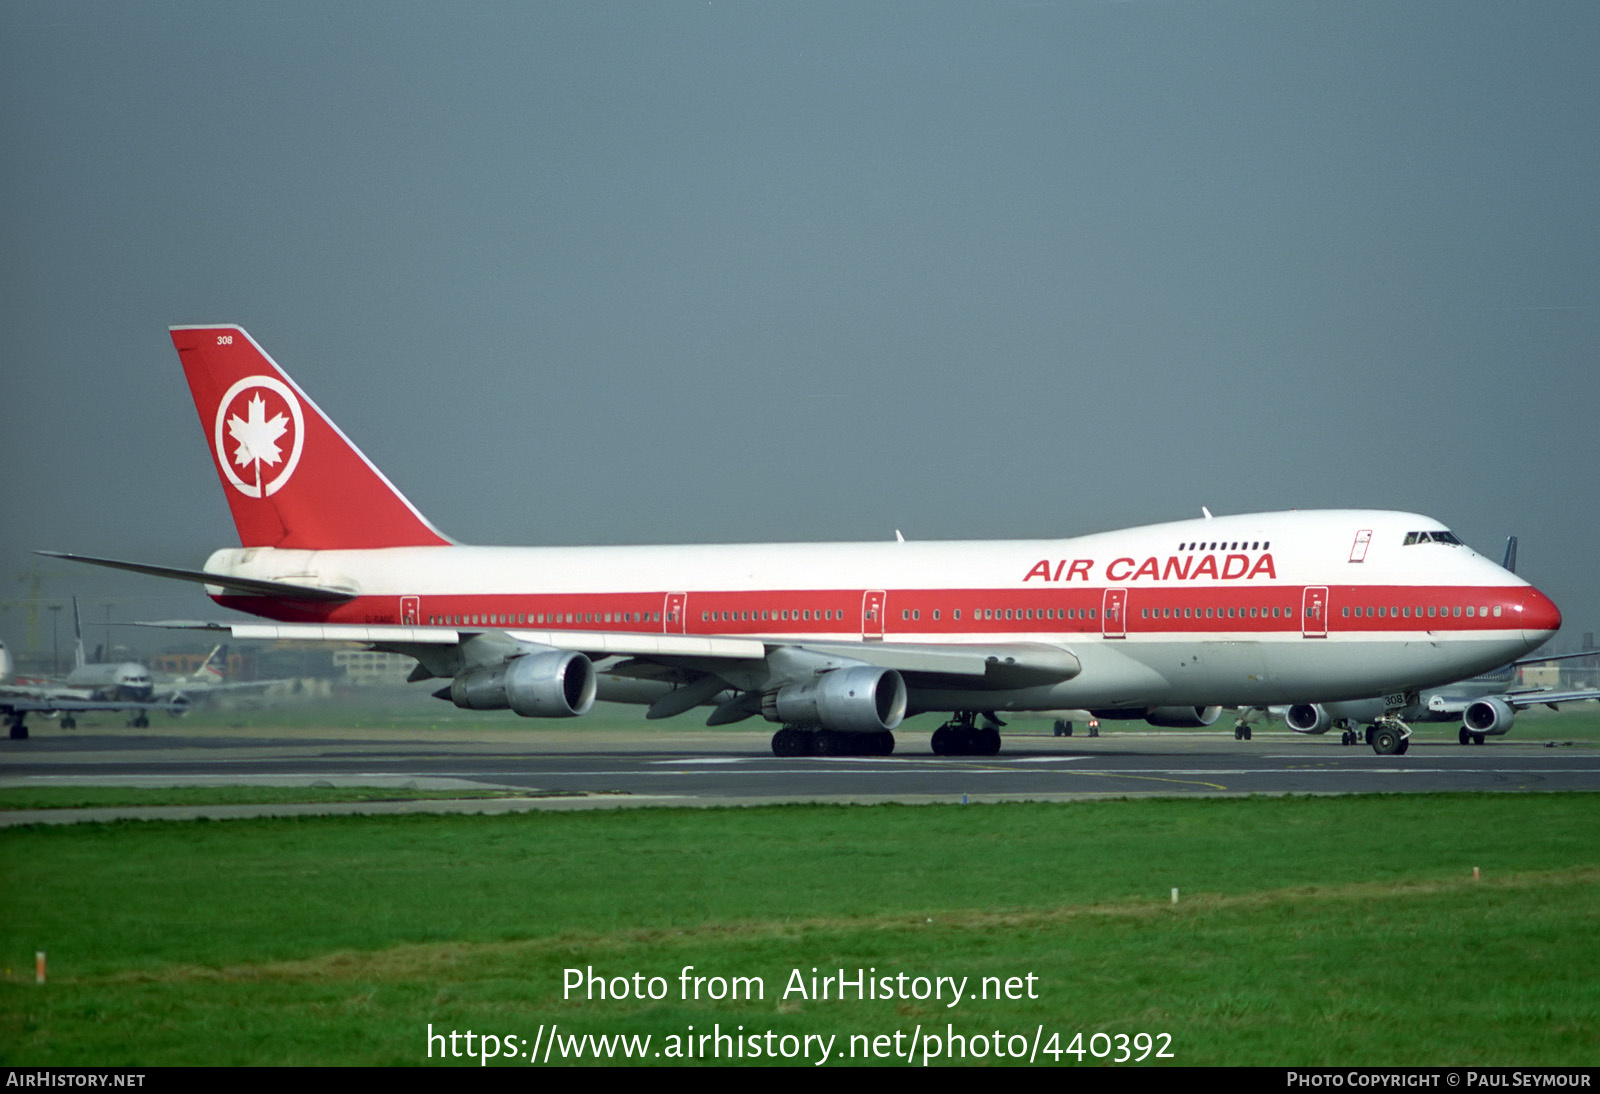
<point x="91" y="686"/>
<point x="206" y="682"/>
<point x="19" y="698"/>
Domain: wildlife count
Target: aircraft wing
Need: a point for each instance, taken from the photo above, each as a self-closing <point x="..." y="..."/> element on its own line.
<point x="1521" y="700"/>
<point x="49" y="704"/>
<point x="1516" y="699"/>
<point x="186" y="692"/>
<point x="1555" y="657"/>
<point x="41" y="691"/>
<point x="998" y="665"/>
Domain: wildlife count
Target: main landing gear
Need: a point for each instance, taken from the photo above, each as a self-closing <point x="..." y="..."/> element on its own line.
<point x="19" y="728"/>
<point x="961" y="736"/>
<point x="1467" y="737"/>
<point x="1389" y="737"/>
<point x="816" y="741"/>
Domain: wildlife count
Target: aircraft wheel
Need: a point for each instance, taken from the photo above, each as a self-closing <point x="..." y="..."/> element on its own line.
<point x="1247" y="733"/>
<point x="19" y="728"/>
<point x="1465" y="736"/>
<point x="1477" y="738"/>
<point x="789" y="741"/>
<point x="941" y="741"/>
<point x="1063" y="728"/>
<point x="1405" y="746"/>
<point x="68" y="722"/>
<point x="1386" y="741"/>
<point x="988" y="742"/>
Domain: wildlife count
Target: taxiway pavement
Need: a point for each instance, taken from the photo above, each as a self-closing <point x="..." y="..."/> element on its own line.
<point x="567" y="769"/>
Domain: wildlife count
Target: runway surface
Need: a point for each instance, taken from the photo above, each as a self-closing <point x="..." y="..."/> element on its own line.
<point x="575" y="769"/>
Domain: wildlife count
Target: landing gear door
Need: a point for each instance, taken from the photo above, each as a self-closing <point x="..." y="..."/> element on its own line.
<point x="1314" y="612"/>
<point x="1113" y="615"/>
<point x="674" y="614"/>
<point x="410" y="609"/>
<point x="872" y="613"/>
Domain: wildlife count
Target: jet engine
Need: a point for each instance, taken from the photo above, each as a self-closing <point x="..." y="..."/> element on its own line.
<point x="861" y="699"/>
<point x="1182" y="717"/>
<point x="550" y="684"/>
<point x="1308" y="718"/>
<point x="1490" y="717"/>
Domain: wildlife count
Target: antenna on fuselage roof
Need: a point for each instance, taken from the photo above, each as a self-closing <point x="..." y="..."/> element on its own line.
<point x="898" y="538"/>
<point x="1510" y="561"/>
<point x="1207" y="512"/>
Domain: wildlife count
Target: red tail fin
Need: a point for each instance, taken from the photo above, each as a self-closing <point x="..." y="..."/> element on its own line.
<point x="291" y="477"/>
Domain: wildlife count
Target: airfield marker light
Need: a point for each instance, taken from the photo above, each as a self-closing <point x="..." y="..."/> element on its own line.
<point x="38" y="967"/>
<point x="1474" y="873"/>
<point x="1174" y="894"/>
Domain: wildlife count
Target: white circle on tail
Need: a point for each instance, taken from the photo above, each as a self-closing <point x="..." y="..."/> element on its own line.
<point x="255" y="420"/>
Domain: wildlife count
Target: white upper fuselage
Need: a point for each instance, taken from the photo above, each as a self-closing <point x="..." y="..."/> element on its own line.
<point x="1272" y="607"/>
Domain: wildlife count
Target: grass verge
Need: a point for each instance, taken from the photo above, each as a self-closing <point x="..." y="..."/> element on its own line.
<point x="1321" y="930"/>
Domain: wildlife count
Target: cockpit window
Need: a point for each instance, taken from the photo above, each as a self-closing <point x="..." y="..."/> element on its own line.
<point x="1432" y="537"/>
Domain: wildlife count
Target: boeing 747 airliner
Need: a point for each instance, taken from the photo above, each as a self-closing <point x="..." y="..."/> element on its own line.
<point x="837" y="643"/>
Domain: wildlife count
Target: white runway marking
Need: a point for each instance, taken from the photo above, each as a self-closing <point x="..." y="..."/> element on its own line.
<point x="708" y="760"/>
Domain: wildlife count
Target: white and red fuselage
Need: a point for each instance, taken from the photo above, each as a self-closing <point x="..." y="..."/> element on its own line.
<point x="1256" y="609"/>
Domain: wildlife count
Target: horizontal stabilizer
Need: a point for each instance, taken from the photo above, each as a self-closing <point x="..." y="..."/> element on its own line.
<point x="282" y="590"/>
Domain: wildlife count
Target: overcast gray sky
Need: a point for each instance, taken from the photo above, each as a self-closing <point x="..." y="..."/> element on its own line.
<point x="630" y="273"/>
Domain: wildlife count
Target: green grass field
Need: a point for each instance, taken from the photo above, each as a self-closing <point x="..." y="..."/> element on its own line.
<point x="1337" y="930"/>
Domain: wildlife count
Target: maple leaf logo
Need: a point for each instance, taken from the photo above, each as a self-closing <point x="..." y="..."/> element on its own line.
<point x="257" y="435"/>
<point x="259" y="431"/>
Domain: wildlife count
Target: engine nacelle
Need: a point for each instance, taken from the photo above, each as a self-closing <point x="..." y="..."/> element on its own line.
<point x="861" y="699"/>
<point x="550" y="684"/>
<point x="1308" y="718"/>
<point x="1491" y="717"/>
<point x="1182" y="717"/>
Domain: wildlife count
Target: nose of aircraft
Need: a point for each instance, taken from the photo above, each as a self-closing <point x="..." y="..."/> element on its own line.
<point x="1540" y="617"/>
